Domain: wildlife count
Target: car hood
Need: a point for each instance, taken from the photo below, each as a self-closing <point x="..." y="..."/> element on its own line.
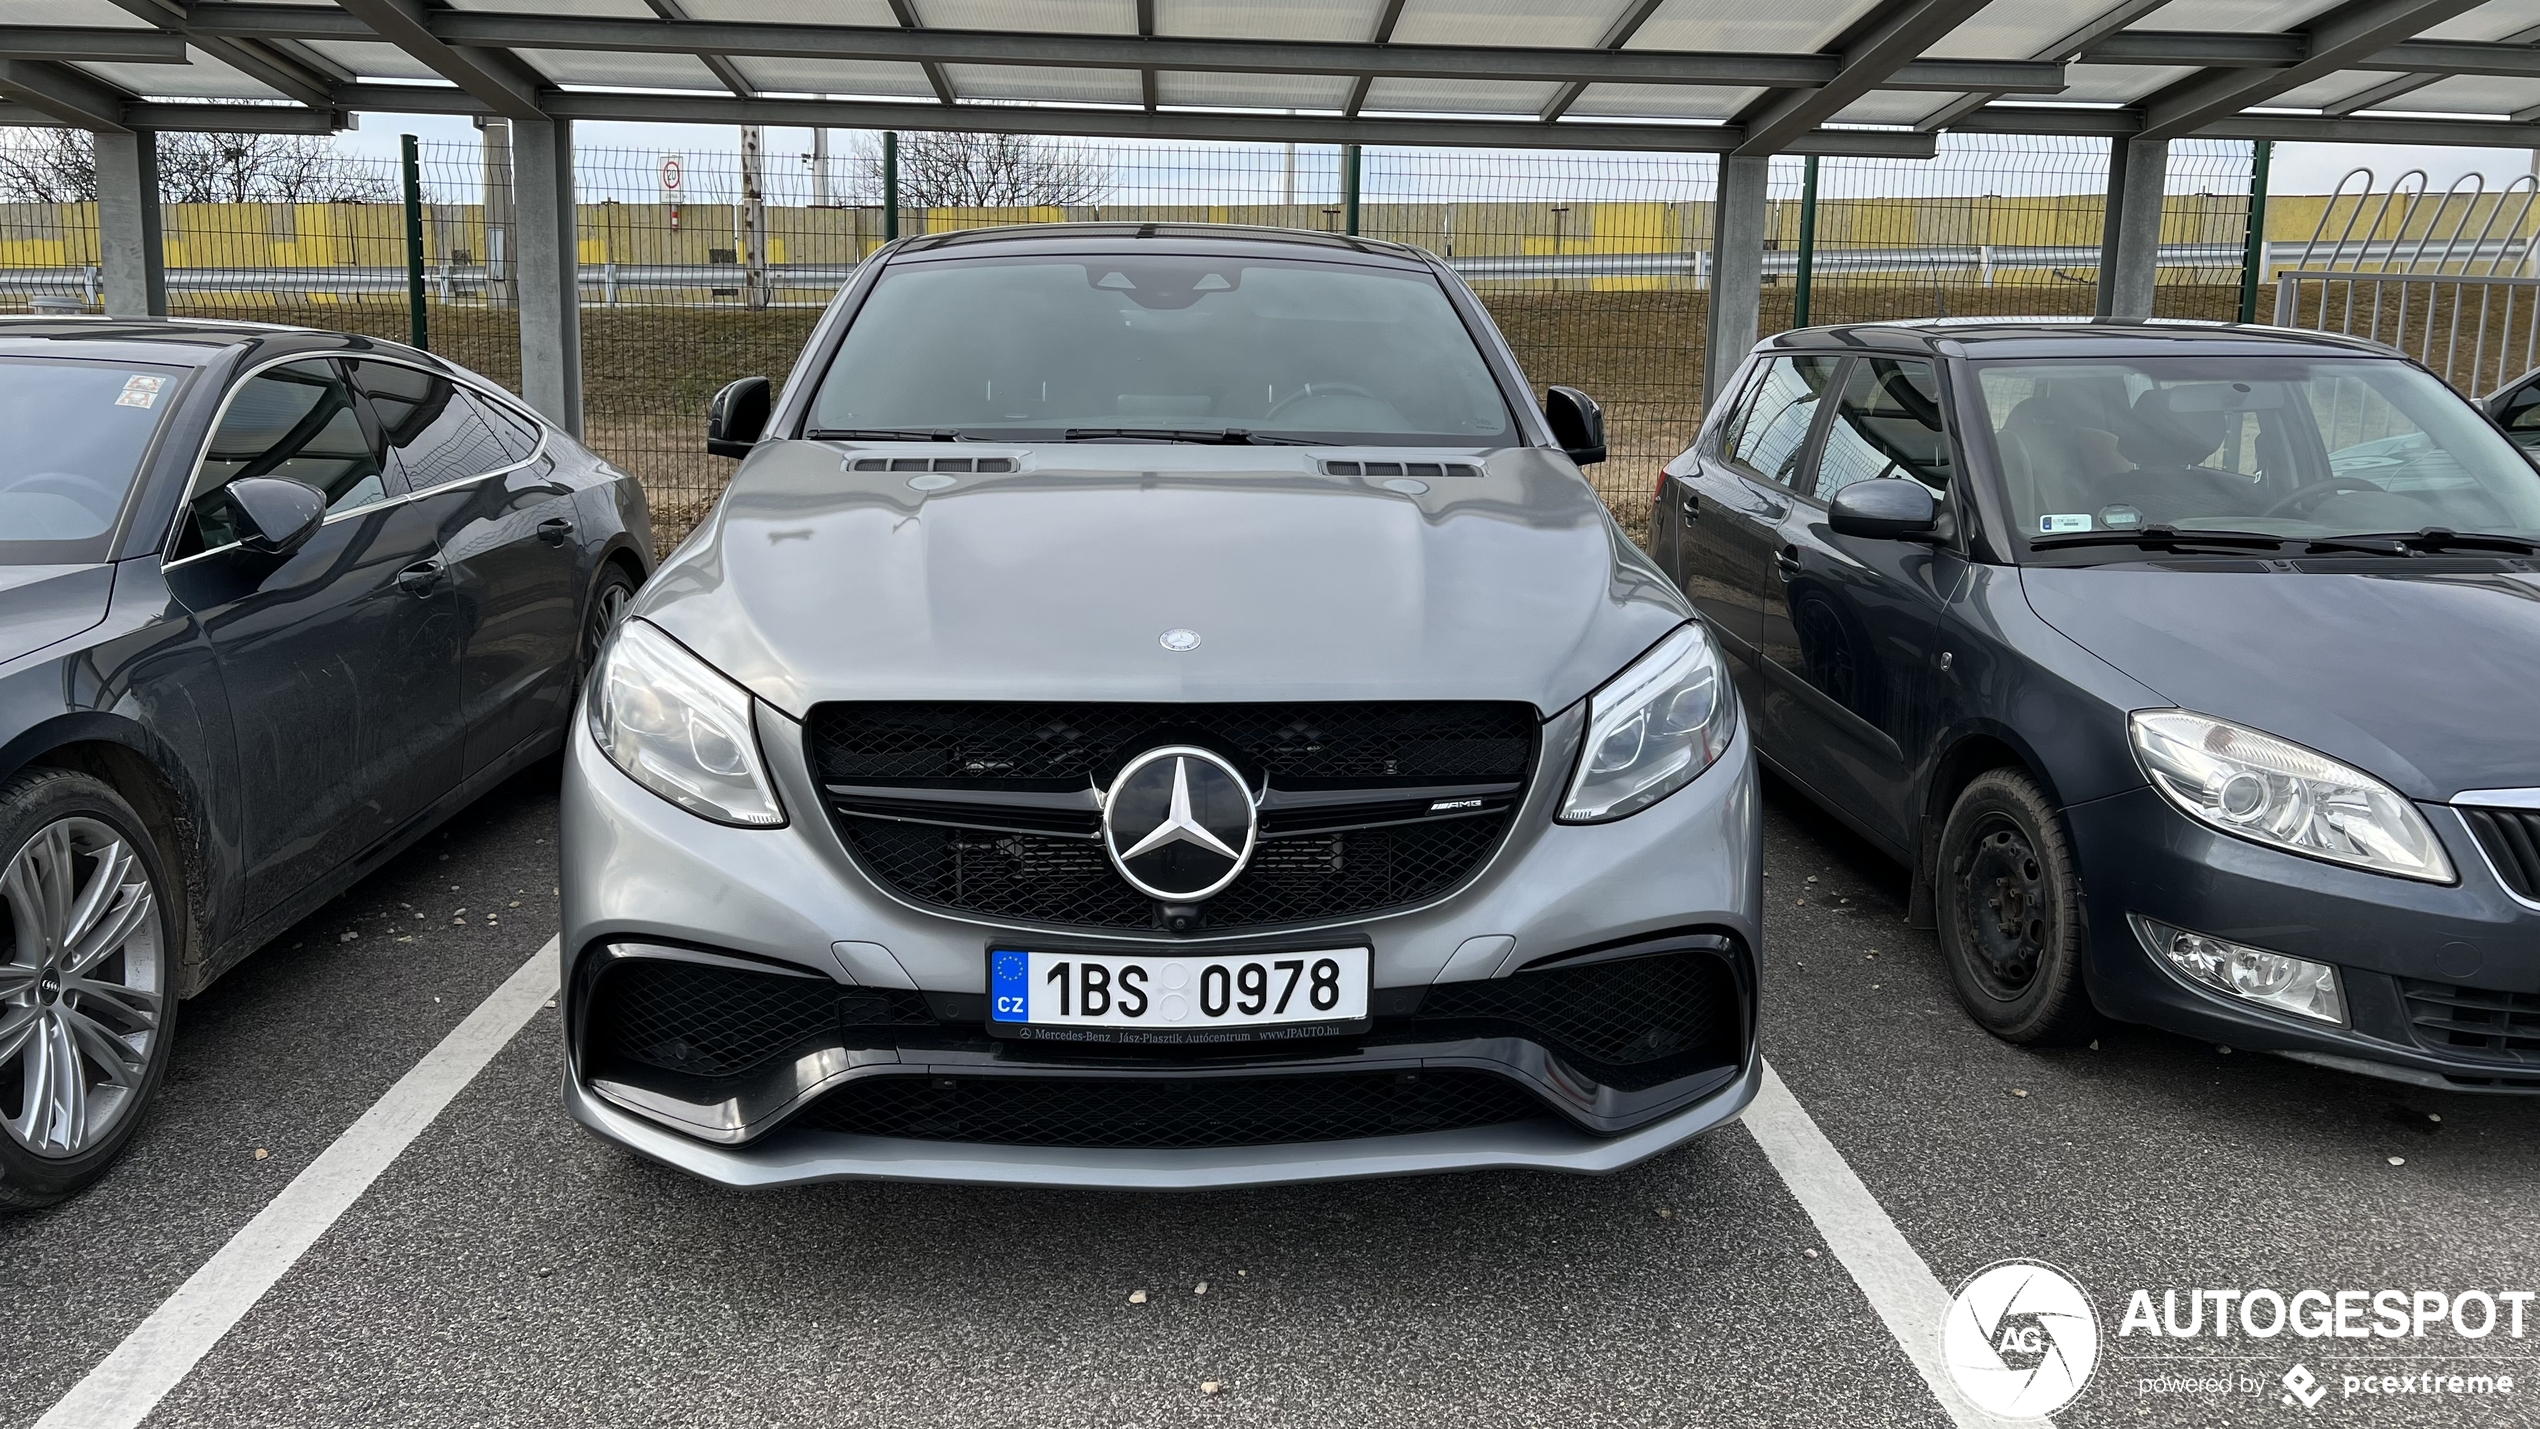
<point x="2424" y="678"/>
<point x="40" y="605"/>
<point x="1059" y="579"/>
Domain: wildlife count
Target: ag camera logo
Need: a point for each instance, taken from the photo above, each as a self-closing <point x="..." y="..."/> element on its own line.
<point x="2020" y="1339"/>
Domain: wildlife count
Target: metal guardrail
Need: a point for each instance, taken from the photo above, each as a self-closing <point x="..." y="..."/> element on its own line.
<point x="2475" y="332"/>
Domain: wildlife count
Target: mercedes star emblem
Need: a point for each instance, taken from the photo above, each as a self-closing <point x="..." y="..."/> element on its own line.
<point x="1178" y="823"/>
<point x="1178" y="639"/>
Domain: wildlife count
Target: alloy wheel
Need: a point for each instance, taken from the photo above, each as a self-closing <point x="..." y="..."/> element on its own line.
<point x="82" y="989"/>
<point x="2007" y="908"/>
<point x="608" y="607"/>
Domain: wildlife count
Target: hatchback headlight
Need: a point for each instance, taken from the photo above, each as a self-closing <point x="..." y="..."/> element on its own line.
<point x="680" y="729"/>
<point x="2273" y="791"/>
<point x="1652" y="728"/>
<point x="2288" y="984"/>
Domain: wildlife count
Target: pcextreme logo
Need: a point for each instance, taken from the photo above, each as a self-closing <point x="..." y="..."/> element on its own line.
<point x="2021" y="1339"/>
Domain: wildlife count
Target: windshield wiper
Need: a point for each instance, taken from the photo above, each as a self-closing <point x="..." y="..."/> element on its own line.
<point x="1219" y="437"/>
<point x="2432" y="539"/>
<point x="2161" y="537"/>
<point x="889" y="434"/>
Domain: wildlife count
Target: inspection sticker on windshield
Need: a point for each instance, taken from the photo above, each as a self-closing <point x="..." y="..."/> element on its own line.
<point x="141" y="390"/>
<point x="2058" y="525"/>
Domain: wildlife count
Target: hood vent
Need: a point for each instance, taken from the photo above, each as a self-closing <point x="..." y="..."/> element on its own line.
<point x="931" y="463"/>
<point x="1401" y="468"/>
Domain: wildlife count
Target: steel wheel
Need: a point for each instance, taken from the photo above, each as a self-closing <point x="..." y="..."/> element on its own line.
<point x="2009" y="908"/>
<point x="82" y="993"/>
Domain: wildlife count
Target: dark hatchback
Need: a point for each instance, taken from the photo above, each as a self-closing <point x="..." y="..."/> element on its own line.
<point x="273" y="603"/>
<point x="2188" y="667"/>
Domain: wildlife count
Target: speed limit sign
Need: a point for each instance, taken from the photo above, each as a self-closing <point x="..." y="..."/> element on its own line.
<point x="673" y="175"/>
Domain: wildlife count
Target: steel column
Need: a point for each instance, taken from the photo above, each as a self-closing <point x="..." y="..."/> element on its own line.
<point x="1349" y="188"/>
<point x="1737" y="267"/>
<point x="1807" y="242"/>
<point x="2125" y="286"/>
<point x="550" y="287"/>
<point x="130" y="249"/>
<point x="2254" y="255"/>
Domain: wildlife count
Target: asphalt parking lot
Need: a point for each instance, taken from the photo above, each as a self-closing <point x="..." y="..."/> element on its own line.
<point x="509" y="1269"/>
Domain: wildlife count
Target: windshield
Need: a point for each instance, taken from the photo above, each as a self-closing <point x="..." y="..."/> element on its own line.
<point x="72" y="435"/>
<point x="1037" y="348"/>
<point x="2296" y="448"/>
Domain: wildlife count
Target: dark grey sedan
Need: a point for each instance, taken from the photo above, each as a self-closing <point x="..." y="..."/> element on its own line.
<point x="272" y="604"/>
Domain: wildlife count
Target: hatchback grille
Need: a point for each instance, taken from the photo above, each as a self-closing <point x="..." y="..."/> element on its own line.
<point x="2474" y="1021"/>
<point x="2512" y="840"/>
<point x="1170" y="1112"/>
<point x="1655" y="1014"/>
<point x="720" y="1022"/>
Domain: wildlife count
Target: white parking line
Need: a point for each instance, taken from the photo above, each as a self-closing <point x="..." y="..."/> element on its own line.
<point x="124" y="1387"/>
<point x="1904" y="1292"/>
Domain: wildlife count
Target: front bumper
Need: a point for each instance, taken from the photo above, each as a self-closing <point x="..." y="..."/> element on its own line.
<point x="638" y="871"/>
<point x="2424" y="967"/>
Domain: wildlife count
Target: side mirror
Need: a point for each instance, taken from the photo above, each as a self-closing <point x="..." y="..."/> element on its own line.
<point x="1578" y="424"/>
<point x="738" y="416"/>
<point x="1888" y="509"/>
<point x="276" y="515"/>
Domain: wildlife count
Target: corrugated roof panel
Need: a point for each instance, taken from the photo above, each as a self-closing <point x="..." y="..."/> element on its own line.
<point x="2248" y="16"/>
<point x="1458" y="96"/>
<point x="1663" y="101"/>
<point x="624" y="71"/>
<point x="2329" y="89"/>
<point x="617" y="9"/>
<point x="836" y="77"/>
<point x="1064" y="86"/>
<point x="2495" y="20"/>
<point x="1339" y="21"/>
<point x="374" y="61"/>
<point x="2118" y="84"/>
<point x="2472" y="94"/>
<point x="1102" y="17"/>
<point x="793" y="12"/>
<point x="1757" y="26"/>
<point x="2016" y="32"/>
<point x="1894" y="106"/>
<point x="1506" y="22"/>
<point x="1252" y="91"/>
<point x="200" y="77"/>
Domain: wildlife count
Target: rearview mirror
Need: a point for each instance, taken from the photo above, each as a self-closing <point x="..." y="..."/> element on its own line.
<point x="738" y="416"/>
<point x="1887" y="509"/>
<point x="1578" y="424"/>
<point x="276" y="515"/>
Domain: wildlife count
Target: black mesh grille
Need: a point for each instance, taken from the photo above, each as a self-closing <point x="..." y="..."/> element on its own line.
<point x="1042" y="879"/>
<point x="719" y="1022"/>
<point x="1175" y="1112"/>
<point x="1074" y="743"/>
<point x="1652" y="1014"/>
<point x="2474" y="1021"/>
<point x="2512" y="840"/>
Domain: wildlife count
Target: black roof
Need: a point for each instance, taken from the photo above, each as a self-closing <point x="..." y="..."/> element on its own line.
<point x="2068" y="337"/>
<point x="187" y="342"/>
<point x="1229" y="239"/>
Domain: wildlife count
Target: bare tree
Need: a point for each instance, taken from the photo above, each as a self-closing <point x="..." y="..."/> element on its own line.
<point x="60" y="166"/>
<point x="960" y="170"/>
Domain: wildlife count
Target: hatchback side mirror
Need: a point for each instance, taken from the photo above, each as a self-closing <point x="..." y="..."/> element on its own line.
<point x="276" y="514"/>
<point x="738" y="416"/>
<point x="1578" y="424"/>
<point x="1888" y="509"/>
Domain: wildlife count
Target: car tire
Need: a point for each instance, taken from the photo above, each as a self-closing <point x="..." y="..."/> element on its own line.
<point x="2011" y="925"/>
<point x="609" y="600"/>
<point x="88" y="962"/>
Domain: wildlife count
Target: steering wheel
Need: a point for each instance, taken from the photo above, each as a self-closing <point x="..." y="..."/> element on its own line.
<point x="1313" y="390"/>
<point x="2301" y="498"/>
<point x="95" y="502"/>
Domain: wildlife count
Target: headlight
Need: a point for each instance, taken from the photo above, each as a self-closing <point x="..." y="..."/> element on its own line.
<point x="2288" y="984"/>
<point x="2272" y="791"/>
<point x="1652" y="728"/>
<point x="679" y="729"/>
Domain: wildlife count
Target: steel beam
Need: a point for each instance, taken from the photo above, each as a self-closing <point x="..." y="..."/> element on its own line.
<point x="94" y="45"/>
<point x="66" y="95"/>
<point x="2348" y="34"/>
<point x="906" y="14"/>
<point x="723" y="68"/>
<point x="1386" y="19"/>
<point x="2081" y="36"/>
<point x="2225" y="50"/>
<point x="2305" y="128"/>
<point x="502" y="83"/>
<point x="1867" y="64"/>
<point x="1615" y="37"/>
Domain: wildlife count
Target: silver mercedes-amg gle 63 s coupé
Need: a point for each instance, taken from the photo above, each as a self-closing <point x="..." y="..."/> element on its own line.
<point x="1157" y="707"/>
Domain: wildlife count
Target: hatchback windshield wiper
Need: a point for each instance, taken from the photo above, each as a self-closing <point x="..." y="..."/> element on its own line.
<point x="2161" y="537"/>
<point x="2432" y="539"/>
<point x="889" y="434"/>
<point x="1221" y="436"/>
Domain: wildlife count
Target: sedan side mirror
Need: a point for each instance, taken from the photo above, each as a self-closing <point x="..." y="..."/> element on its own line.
<point x="276" y="514"/>
<point x="738" y="416"/>
<point x="1888" y="509"/>
<point x="1578" y="424"/>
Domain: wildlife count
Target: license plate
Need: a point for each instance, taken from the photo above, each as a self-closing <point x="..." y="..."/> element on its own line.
<point x="1230" y="996"/>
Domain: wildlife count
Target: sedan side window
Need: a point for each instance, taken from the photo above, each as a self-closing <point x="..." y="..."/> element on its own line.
<point x="436" y="429"/>
<point x="2522" y="413"/>
<point x="1772" y="434"/>
<point x="299" y="421"/>
<point x="1887" y="424"/>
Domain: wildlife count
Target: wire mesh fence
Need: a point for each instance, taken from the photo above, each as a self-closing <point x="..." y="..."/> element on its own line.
<point x="702" y="265"/>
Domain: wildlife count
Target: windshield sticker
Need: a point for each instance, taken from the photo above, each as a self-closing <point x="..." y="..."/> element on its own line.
<point x="135" y="397"/>
<point x="143" y="382"/>
<point x="2058" y="525"/>
<point x="2119" y="517"/>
